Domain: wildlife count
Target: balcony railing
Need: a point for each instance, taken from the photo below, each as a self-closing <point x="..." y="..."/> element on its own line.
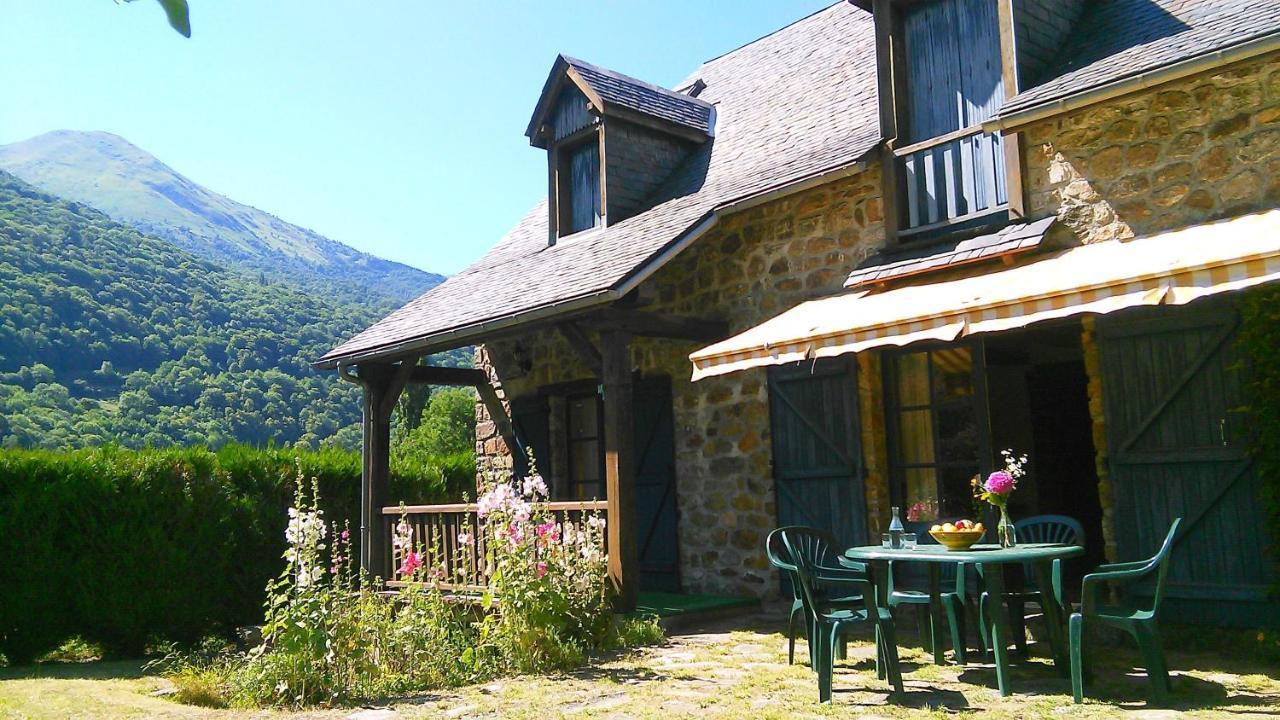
<point x="435" y="534"/>
<point x="951" y="179"/>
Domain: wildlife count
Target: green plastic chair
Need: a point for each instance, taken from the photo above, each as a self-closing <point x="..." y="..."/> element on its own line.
<point x="819" y="548"/>
<point x="1039" y="529"/>
<point x="830" y="622"/>
<point x="955" y="602"/>
<point x="1139" y="622"/>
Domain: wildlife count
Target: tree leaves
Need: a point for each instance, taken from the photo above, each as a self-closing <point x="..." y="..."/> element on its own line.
<point x="179" y="15"/>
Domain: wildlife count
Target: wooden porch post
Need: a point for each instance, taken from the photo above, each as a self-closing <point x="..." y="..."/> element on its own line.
<point x="620" y="466"/>
<point x="382" y="385"/>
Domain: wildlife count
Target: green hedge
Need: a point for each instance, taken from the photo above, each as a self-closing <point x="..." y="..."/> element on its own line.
<point x="126" y="547"/>
<point x="1260" y="348"/>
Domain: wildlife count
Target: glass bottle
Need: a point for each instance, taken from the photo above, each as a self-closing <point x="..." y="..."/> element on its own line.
<point x="1005" y="530"/>
<point x="895" y="530"/>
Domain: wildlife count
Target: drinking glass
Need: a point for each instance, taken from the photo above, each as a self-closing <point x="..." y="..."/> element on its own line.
<point x="909" y="541"/>
<point x="885" y="541"/>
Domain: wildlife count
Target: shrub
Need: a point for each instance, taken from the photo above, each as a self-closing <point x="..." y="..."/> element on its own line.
<point x="123" y="548"/>
<point x="331" y="639"/>
<point x="1259" y="339"/>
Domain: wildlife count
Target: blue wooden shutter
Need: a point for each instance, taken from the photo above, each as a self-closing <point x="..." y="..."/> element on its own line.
<point x="817" y="448"/>
<point x="584" y="186"/>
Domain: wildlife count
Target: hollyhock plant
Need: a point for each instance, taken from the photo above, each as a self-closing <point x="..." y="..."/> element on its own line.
<point x="411" y="564"/>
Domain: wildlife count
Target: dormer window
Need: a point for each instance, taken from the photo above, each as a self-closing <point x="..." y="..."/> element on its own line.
<point x="611" y="142"/>
<point x="947" y="79"/>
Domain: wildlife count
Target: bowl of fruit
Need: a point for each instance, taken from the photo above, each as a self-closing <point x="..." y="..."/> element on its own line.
<point x="960" y="535"/>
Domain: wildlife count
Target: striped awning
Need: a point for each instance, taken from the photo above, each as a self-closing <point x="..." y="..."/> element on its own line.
<point x="1171" y="268"/>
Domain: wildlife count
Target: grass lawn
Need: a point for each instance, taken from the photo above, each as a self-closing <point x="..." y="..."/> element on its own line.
<point x="734" y="669"/>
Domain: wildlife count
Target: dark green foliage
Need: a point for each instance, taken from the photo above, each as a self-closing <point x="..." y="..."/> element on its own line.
<point x="123" y="547"/>
<point x="447" y="426"/>
<point x="111" y="336"/>
<point x="1260" y="347"/>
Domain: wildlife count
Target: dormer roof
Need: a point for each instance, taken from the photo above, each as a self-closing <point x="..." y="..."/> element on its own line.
<point x="612" y="93"/>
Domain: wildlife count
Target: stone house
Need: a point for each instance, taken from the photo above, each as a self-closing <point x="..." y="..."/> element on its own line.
<point x="894" y="238"/>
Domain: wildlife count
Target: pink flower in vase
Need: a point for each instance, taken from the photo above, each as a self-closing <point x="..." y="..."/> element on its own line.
<point x="1000" y="483"/>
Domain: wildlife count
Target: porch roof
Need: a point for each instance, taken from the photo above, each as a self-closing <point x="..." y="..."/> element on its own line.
<point x="1170" y="268"/>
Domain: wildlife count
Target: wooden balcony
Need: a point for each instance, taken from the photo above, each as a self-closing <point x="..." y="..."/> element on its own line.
<point x="951" y="179"/>
<point x="435" y="534"/>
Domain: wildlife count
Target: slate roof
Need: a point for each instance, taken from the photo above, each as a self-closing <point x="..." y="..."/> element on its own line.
<point x="791" y="105"/>
<point x="1011" y="239"/>
<point x="643" y="97"/>
<point x="1115" y="39"/>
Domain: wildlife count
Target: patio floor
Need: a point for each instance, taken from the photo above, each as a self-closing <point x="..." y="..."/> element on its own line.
<point x="733" y="668"/>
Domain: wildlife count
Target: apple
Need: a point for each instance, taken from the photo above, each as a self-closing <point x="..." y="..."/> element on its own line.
<point x="936" y="528"/>
<point x="948" y="527"/>
<point x="978" y="527"/>
<point x="963" y="525"/>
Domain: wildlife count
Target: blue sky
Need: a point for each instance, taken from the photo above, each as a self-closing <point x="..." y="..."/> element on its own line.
<point x="395" y="126"/>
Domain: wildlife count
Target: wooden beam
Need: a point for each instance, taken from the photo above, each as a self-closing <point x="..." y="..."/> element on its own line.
<point x="636" y="322"/>
<point x="382" y="384"/>
<point x="889" y="65"/>
<point x="434" y="375"/>
<point x="583" y="346"/>
<point x="620" y="467"/>
<point x="498" y="415"/>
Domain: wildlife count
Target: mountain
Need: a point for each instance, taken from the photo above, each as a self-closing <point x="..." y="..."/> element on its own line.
<point x="106" y="172"/>
<point x="109" y="335"/>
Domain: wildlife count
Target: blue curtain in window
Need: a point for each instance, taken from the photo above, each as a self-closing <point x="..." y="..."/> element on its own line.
<point x="584" y="187"/>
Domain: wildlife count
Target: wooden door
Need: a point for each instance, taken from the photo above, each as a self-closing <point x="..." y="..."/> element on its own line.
<point x="817" y="456"/>
<point x="657" y="544"/>
<point x="1176" y="442"/>
<point x="529" y="420"/>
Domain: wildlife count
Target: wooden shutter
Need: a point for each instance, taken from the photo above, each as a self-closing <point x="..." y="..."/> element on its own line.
<point x="584" y="186"/>
<point x="529" y="419"/>
<point x="817" y="453"/>
<point x="1171" y="390"/>
<point x="657" y="543"/>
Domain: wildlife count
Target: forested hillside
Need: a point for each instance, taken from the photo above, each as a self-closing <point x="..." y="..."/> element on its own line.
<point x="108" y="335"/>
<point x="132" y="186"/>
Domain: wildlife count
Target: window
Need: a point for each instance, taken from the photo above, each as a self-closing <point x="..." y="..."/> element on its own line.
<point x="937" y="427"/>
<point x="586" y="459"/>
<point x="580" y="186"/>
<point x="950" y="170"/>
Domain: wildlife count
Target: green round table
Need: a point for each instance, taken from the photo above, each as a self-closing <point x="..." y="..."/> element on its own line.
<point x="989" y="561"/>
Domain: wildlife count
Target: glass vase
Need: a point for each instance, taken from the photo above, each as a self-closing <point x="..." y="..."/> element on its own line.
<point x="1005" y="531"/>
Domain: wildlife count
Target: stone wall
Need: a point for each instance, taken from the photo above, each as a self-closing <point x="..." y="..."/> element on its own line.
<point x="751" y="266"/>
<point x="1196" y="149"/>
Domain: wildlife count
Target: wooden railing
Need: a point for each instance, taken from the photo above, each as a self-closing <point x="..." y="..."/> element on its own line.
<point x="435" y="534"/>
<point x="952" y="178"/>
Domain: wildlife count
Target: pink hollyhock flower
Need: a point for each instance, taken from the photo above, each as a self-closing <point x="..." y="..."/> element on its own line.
<point x="346" y="535"/>
<point x="548" y="531"/>
<point x="412" y="561"/>
<point x="1000" y="483"/>
<point x="542" y="569"/>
